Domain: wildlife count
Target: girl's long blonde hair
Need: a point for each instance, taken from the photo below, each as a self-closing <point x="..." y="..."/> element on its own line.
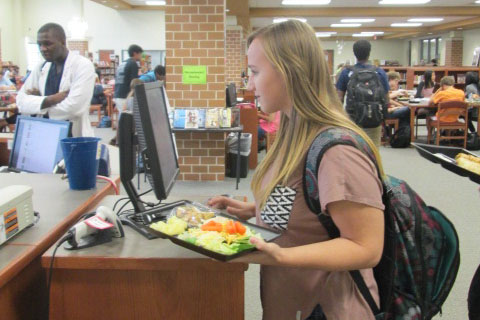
<point x="293" y="49"/>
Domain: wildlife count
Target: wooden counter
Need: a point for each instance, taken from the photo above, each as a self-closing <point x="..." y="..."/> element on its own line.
<point x="22" y="279"/>
<point x="136" y="278"/>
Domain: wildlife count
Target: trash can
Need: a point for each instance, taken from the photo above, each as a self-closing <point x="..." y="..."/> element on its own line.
<point x="81" y="157"/>
<point x="245" y="148"/>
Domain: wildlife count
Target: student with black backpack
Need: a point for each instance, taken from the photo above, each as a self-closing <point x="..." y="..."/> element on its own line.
<point x="367" y="89"/>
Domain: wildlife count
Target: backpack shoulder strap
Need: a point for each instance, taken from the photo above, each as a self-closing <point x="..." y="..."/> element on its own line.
<point x="324" y="141"/>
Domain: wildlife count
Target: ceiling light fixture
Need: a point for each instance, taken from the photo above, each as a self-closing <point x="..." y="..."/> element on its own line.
<point x="359" y="20"/>
<point x="305" y="2"/>
<point x="406" y="24"/>
<point x="362" y="35"/>
<point x="324" y="34"/>
<point x="155" y="3"/>
<point x="345" y="25"/>
<point x="425" y="19"/>
<point x="478" y="1"/>
<point x="373" y="32"/>
<point x="278" y="20"/>
<point x="403" y="2"/>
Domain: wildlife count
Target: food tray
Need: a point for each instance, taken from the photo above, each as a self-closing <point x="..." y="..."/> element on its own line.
<point x="445" y="156"/>
<point x="161" y="215"/>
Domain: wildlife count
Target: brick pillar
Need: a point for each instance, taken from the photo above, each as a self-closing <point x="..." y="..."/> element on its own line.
<point x="195" y="35"/>
<point x="454" y="52"/>
<point x="78" y="45"/>
<point x="235" y="55"/>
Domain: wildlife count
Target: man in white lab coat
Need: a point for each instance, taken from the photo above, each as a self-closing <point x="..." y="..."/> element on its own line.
<point x="62" y="86"/>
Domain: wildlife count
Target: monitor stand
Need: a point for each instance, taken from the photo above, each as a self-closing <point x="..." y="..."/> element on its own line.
<point x="127" y="143"/>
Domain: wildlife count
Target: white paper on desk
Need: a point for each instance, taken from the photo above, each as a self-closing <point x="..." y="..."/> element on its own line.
<point x="424" y="99"/>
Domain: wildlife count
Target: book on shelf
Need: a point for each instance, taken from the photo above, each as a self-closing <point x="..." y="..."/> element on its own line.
<point x="179" y="119"/>
<point x="201" y="117"/>
<point x="226" y="117"/>
<point x="212" y="118"/>
<point x="191" y="119"/>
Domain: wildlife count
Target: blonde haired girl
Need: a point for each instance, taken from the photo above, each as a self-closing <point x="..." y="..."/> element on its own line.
<point x="304" y="271"/>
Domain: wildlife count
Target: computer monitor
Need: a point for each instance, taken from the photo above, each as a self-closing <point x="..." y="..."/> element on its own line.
<point x="150" y="127"/>
<point x="231" y="92"/>
<point x="36" y="144"/>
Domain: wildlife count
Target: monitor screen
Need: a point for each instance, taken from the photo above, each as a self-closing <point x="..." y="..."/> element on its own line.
<point x="155" y="139"/>
<point x="231" y="92"/>
<point x="36" y="145"/>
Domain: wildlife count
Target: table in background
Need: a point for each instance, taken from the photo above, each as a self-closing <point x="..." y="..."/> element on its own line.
<point x="425" y="104"/>
<point x="238" y="130"/>
<point x="136" y="278"/>
<point x="23" y="293"/>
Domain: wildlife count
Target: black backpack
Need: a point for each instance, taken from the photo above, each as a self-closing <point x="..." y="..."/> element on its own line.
<point x="401" y="138"/>
<point x="420" y="257"/>
<point x="366" y="103"/>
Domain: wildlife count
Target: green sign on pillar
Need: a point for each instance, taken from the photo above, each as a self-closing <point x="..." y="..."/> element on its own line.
<point x="194" y="75"/>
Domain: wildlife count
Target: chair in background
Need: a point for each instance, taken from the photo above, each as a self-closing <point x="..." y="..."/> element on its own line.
<point x="443" y="130"/>
<point x="98" y="109"/>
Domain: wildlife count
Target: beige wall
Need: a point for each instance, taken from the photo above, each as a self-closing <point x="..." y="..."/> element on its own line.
<point x="381" y="50"/>
<point x="107" y="28"/>
<point x="471" y="40"/>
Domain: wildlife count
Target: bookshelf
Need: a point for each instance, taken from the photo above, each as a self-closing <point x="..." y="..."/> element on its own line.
<point x="403" y="74"/>
<point x="414" y="75"/>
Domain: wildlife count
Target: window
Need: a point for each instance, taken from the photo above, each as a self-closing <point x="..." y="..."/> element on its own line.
<point x="429" y="49"/>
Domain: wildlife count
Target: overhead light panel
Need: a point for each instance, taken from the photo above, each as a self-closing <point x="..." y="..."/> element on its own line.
<point x="359" y="20"/>
<point x="305" y="2"/>
<point x="406" y="24"/>
<point x="403" y="2"/>
<point x="373" y="32"/>
<point x="478" y="1"/>
<point x="362" y="35"/>
<point x="425" y="19"/>
<point x="278" y="20"/>
<point x="324" y="34"/>
<point x="345" y="25"/>
<point x="155" y="3"/>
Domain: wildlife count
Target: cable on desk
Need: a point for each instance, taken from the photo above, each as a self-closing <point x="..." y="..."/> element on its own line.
<point x="114" y="185"/>
<point x="68" y="236"/>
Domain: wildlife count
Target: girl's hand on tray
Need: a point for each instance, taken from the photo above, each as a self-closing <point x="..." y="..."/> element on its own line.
<point x="240" y="209"/>
<point x="268" y="253"/>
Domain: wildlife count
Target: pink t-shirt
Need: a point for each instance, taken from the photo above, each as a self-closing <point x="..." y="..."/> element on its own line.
<point x="345" y="173"/>
<point x="270" y="126"/>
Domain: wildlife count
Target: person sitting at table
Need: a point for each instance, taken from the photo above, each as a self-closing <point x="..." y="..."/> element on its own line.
<point x="396" y="109"/>
<point x="472" y="91"/>
<point x="447" y="93"/>
<point x="98" y="94"/>
<point x="427" y="87"/>
<point x="267" y="123"/>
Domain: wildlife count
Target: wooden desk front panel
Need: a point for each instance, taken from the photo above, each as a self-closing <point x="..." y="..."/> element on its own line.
<point x="146" y="294"/>
<point x="24" y="297"/>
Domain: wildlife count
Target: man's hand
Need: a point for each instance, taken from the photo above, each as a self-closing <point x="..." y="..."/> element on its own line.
<point x="52" y="100"/>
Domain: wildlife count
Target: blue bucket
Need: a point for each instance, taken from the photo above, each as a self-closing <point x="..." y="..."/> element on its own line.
<point x="81" y="160"/>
